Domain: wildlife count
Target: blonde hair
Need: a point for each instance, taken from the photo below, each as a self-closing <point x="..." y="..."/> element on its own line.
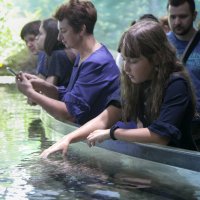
<point x="164" y="23"/>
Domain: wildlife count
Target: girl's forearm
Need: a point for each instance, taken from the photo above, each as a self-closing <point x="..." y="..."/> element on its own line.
<point x="143" y="135"/>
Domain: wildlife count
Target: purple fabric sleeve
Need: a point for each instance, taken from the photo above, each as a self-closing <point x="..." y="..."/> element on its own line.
<point x="92" y="86"/>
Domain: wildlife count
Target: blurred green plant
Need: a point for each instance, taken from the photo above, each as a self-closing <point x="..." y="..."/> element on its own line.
<point x="6" y="34"/>
<point x="12" y="49"/>
<point x="10" y="43"/>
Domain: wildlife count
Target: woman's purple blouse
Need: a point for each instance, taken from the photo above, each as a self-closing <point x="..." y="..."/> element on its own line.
<point x="92" y="87"/>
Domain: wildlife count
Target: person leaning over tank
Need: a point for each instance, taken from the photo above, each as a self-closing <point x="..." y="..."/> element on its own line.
<point x="59" y="59"/>
<point x="94" y="83"/>
<point x="156" y="92"/>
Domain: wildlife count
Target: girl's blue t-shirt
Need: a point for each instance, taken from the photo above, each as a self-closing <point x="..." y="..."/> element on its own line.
<point x="58" y="64"/>
<point x="176" y="114"/>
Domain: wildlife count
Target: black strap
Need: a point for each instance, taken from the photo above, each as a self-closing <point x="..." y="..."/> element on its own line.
<point x="112" y="130"/>
<point x="192" y="43"/>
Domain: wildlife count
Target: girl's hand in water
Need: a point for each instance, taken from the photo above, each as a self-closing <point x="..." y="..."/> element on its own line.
<point x="58" y="146"/>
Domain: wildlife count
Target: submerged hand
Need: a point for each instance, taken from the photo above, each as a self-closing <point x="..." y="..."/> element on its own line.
<point x="98" y="136"/>
<point x="58" y="146"/>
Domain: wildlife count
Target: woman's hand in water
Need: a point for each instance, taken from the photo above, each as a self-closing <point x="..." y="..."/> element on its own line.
<point x="98" y="136"/>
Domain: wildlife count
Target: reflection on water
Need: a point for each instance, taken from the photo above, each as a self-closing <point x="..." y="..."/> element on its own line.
<point x="85" y="174"/>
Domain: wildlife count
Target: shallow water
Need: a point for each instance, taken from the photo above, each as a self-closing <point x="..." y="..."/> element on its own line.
<point x="85" y="174"/>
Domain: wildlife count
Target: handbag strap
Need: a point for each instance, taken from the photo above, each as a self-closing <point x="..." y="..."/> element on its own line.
<point x="191" y="45"/>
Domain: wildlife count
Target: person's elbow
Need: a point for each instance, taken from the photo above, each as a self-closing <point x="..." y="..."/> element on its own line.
<point x="64" y="116"/>
<point x="163" y="140"/>
<point x="158" y="139"/>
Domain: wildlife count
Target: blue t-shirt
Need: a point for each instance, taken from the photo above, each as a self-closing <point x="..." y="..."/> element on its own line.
<point x="174" y="120"/>
<point x="42" y="63"/>
<point x="192" y="64"/>
<point x="93" y="85"/>
<point x="58" y="64"/>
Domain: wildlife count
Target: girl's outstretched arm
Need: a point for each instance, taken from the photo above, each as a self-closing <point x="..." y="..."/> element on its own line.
<point x="104" y="120"/>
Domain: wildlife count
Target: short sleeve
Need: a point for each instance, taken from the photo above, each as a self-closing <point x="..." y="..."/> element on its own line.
<point x="60" y="66"/>
<point x="126" y="125"/>
<point x="93" y="85"/>
<point x="173" y="109"/>
<point x="62" y="90"/>
<point x="88" y="89"/>
<point x="42" y="64"/>
<point x="114" y="99"/>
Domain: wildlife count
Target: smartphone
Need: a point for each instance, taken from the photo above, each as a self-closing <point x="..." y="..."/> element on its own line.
<point x="11" y="71"/>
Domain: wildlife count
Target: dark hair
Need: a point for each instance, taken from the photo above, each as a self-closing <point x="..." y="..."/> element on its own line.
<point x="133" y="22"/>
<point x="51" y="41"/>
<point x="78" y="13"/>
<point x="30" y="28"/>
<point x="180" y="2"/>
<point x="121" y="41"/>
<point x="149" y="16"/>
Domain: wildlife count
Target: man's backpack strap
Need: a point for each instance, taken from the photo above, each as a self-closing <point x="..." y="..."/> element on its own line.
<point x="192" y="43"/>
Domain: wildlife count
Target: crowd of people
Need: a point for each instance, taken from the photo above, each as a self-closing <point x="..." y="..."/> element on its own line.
<point x="150" y="94"/>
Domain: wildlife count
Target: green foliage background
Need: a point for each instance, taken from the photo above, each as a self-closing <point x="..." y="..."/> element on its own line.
<point x="114" y="16"/>
<point x="9" y="45"/>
